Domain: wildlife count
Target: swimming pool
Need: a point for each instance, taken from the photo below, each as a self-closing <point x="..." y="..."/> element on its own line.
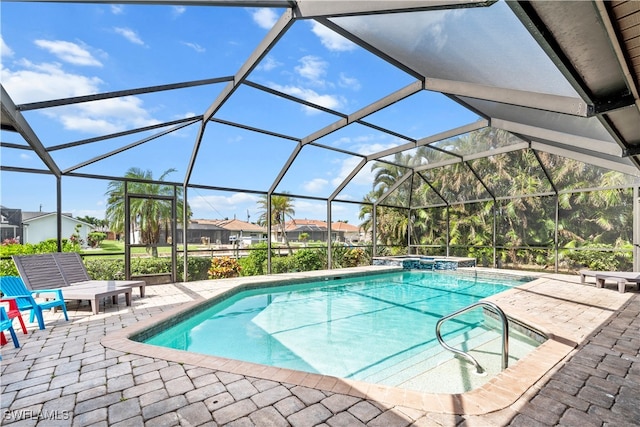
<point x="377" y="328"/>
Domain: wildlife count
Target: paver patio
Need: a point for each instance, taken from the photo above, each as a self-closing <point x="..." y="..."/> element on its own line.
<point x="76" y="373"/>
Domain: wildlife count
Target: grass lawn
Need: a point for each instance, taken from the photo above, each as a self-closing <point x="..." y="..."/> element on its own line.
<point x="116" y="246"/>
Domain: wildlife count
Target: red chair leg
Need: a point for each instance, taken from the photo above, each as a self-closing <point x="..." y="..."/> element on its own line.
<point x="3" y="339"/>
<point x="24" y="328"/>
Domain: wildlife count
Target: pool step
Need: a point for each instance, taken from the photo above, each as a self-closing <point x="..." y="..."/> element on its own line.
<point x="440" y="371"/>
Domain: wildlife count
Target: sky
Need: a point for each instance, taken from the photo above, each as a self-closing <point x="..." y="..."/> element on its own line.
<point x="51" y="51"/>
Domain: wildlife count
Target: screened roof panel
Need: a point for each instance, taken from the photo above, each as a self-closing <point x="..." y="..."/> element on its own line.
<point x="259" y="109"/>
<point x="479" y="141"/>
<point x="399" y="196"/>
<point x="231" y="157"/>
<point x="327" y="69"/>
<point x="564" y="171"/>
<point x="161" y="150"/>
<point x="482" y="45"/>
<point x="419" y="157"/>
<point x="423" y="194"/>
<point x="360" y="139"/>
<point x="456" y="184"/>
<point x="83" y="120"/>
<point x="517" y="173"/>
<point x="422" y="114"/>
<point x="360" y="187"/>
<point x="316" y="172"/>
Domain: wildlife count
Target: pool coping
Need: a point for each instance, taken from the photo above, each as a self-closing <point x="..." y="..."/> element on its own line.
<point x="498" y="393"/>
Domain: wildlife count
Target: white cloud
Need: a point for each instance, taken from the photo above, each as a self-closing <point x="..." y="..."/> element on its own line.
<point x="327" y="101"/>
<point x="25" y="156"/>
<point x="315" y="186"/>
<point x="308" y="209"/>
<point x="312" y="68"/>
<point x="330" y="39"/>
<point x="69" y="52"/>
<point x="268" y="64"/>
<point x="364" y="177"/>
<point x="117" y="9"/>
<point x="349" y="82"/>
<point x="195" y="46"/>
<point x="37" y="82"/>
<point x="264" y="17"/>
<point x="5" y="50"/>
<point x="179" y="10"/>
<point x="129" y="34"/>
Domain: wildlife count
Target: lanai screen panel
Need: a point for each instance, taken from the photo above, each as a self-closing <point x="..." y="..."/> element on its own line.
<point x="360" y="139"/>
<point x="516" y="173"/>
<point x="265" y="111"/>
<point x="316" y="172"/>
<point x="161" y="149"/>
<point x="482" y="140"/>
<point x="422" y="114"/>
<point x="468" y="45"/>
<point x="313" y="63"/>
<point x="232" y="157"/>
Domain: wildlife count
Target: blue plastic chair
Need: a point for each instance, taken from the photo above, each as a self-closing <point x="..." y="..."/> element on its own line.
<point x="7" y="324"/>
<point x="13" y="287"/>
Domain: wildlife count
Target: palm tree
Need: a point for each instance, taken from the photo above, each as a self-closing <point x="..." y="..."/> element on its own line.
<point x="281" y="209"/>
<point x="147" y="215"/>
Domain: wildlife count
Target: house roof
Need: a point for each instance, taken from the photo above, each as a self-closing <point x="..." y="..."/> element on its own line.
<point x="29" y="217"/>
<point x="318" y="225"/>
<point x="231" y="224"/>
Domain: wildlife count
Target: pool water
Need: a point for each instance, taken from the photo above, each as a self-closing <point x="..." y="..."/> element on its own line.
<point x="373" y="328"/>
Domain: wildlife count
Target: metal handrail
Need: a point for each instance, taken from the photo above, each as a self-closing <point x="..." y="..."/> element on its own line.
<point x="470" y="358"/>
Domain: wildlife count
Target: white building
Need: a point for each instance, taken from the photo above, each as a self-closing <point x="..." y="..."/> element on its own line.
<point x="40" y="226"/>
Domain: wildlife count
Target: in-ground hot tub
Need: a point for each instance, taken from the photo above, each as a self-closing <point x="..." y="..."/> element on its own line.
<point x="423" y="262"/>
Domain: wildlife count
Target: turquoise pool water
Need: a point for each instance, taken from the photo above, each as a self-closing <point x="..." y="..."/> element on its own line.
<point x="356" y="328"/>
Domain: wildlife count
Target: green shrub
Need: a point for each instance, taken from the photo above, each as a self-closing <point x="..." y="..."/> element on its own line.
<point x="110" y="268"/>
<point x="307" y="260"/>
<point x="255" y="263"/>
<point x="95" y="238"/>
<point x="281" y="264"/>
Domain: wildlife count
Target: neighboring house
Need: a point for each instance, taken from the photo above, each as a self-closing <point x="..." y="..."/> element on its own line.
<point x="221" y="232"/>
<point x="40" y="226"/>
<point x="240" y="232"/>
<point x="316" y="230"/>
<point x="10" y="224"/>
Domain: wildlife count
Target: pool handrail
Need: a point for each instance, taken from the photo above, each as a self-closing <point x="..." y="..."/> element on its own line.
<point x="470" y="358"/>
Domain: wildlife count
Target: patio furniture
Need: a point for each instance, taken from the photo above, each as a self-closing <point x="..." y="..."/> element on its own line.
<point x="13" y="287"/>
<point x="13" y="312"/>
<point x="6" y="324"/>
<point x="622" y="278"/>
<point x="75" y="273"/>
<point x="50" y="271"/>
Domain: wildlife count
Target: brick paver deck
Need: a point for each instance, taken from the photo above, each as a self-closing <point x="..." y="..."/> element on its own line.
<point x="85" y="372"/>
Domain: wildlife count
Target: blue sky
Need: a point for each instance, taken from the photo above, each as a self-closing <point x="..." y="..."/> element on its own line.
<point x="51" y="51"/>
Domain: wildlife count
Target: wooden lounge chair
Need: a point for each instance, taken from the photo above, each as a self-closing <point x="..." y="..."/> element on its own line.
<point x="41" y="272"/>
<point x="622" y="278"/>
